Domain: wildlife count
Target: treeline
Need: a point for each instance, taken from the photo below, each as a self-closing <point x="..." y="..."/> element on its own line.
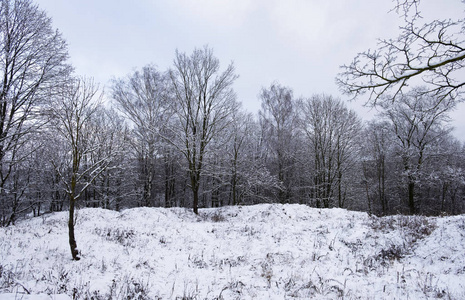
<point x="180" y="137"/>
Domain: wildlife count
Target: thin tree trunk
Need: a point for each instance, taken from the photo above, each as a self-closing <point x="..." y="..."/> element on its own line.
<point x="72" y="203"/>
<point x="411" y="196"/>
<point x="234" y="192"/>
<point x="72" y="239"/>
<point x="339" y="186"/>
<point x="443" y="198"/>
<point x="195" y="205"/>
<point x="383" y="188"/>
<point x="234" y="179"/>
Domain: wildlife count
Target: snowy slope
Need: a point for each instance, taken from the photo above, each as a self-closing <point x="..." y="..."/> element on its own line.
<point x="267" y="251"/>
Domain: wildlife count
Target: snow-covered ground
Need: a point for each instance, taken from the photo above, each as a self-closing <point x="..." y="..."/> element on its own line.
<point x="267" y="251"/>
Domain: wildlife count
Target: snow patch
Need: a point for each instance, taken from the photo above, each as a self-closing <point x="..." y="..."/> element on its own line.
<point x="242" y="252"/>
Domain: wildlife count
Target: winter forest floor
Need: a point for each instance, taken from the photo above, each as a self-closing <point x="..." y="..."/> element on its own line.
<point x="267" y="251"/>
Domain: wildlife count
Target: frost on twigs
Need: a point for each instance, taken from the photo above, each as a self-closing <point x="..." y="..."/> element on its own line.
<point x="429" y="53"/>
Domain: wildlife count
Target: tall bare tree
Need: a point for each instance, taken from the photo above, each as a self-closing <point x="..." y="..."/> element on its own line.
<point x="241" y="132"/>
<point x="250" y="179"/>
<point x="418" y="120"/>
<point x="32" y="61"/>
<point x="433" y="52"/>
<point x="72" y="118"/>
<point x="141" y="97"/>
<point x="332" y="131"/>
<point x="377" y="146"/>
<point x="203" y="101"/>
<point x="278" y="122"/>
<point x="109" y="140"/>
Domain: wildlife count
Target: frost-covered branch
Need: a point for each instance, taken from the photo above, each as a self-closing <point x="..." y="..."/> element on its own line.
<point x="433" y="52"/>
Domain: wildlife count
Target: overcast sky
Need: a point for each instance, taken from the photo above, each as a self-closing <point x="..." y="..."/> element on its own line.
<point x="298" y="43"/>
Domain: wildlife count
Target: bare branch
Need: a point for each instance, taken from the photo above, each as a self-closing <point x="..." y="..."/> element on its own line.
<point x="433" y="52"/>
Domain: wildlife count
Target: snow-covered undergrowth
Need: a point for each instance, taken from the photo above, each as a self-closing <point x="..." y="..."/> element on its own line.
<point x="254" y="252"/>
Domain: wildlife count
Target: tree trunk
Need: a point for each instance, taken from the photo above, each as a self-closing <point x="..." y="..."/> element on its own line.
<point x="281" y="193"/>
<point x="443" y="197"/>
<point x="72" y="239"/>
<point x="72" y="203"/>
<point x="234" y="179"/>
<point x="383" y="188"/>
<point x="339" y="188"/>
<point x="195" y="205"/>
<point x="411" y="198"/>
<point x="368" y="198"/>
<point x="234" y="192"/>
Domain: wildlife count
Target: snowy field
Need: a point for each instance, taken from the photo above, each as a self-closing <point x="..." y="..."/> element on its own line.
<point x="250" y="252"/>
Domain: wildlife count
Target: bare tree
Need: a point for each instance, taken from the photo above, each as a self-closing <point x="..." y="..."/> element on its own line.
<point x="418" y="120"/>
<point x="236" y="169"/>
<point x="443" y="183"/>
<point x="141" y="97"/>
<point x="332" y="131"/>
<point x="32" y="61"/>
<point x="278" y="122"/>
<point x="72" y="118"/>
<point x="203" y="100"/>
<point x="377" y="148"/>
<point x="251" y="179"/>
<point x="241" y="128"/>
<point x="109" y="140"/>
<point x="433" y="52"/>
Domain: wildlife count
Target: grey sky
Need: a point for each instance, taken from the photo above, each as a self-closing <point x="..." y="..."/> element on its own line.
<point x="298" y="43"/>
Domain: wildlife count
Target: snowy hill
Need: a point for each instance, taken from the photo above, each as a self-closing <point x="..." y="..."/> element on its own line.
<point x="254" y="252"/>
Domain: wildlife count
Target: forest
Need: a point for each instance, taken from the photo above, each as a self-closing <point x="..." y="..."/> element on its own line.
<point x="180" y="137"/>
<point x="173" y="190"/>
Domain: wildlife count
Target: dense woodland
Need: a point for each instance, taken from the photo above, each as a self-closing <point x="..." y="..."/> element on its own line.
<point x="179" y="137"/>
